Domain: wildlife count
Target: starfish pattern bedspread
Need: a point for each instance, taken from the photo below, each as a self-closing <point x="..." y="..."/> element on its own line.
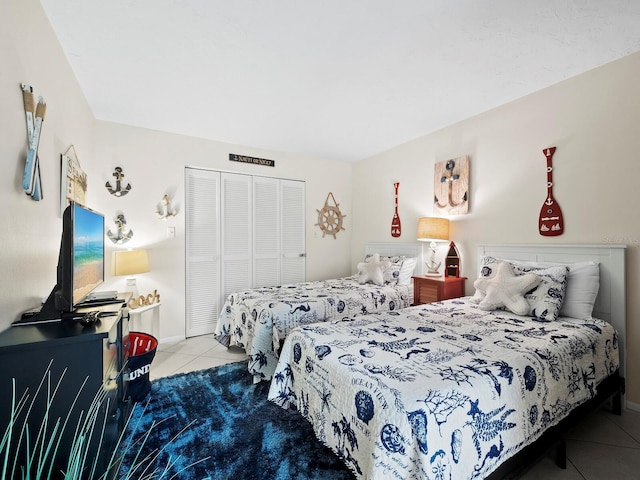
<point x="259" y="319"/>
<point x="439" y="391"/>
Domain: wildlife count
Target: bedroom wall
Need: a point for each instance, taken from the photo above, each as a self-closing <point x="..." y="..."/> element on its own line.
<point x="154" y="163"/>
<point x="592" y="119"/>
<point x="29" y="230"/>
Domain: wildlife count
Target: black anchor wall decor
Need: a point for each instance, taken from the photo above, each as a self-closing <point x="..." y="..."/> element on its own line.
<point x="122" y="234"/>
<point x="119" y="191"/>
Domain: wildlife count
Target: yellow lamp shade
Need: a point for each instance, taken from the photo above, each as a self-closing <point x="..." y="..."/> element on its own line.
<point x="129" y="262"/>
<point x="433" y="228"/>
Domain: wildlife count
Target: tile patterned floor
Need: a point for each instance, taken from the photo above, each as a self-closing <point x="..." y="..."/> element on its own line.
<point x="603" y="447"/>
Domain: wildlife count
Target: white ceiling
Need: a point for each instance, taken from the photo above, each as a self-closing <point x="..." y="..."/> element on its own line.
<point x="335" y="79"/>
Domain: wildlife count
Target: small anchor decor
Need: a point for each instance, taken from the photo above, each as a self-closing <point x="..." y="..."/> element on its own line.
<point x="451" y="187"/>
<point x="330" y="217"/>
<point x="123" y="235"/>
<point x="164" y="209"/>
<point x="119" y="191"/>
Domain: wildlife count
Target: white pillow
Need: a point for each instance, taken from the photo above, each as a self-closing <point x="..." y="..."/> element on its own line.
<point x="406" y="271"/>
<point x="506" y="289"/>
<point x="372" y="270"/>
<point x="583" y="284"/>
<point x="582" y="290"/>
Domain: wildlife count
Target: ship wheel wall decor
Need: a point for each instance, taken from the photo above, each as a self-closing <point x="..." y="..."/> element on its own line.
<point x="330" y="217"/>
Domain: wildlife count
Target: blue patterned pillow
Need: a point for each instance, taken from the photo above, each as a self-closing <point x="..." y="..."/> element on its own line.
<point x="545" y="301"/>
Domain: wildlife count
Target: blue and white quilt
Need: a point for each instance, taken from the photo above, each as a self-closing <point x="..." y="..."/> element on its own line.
<point x="439" y="391"/>
<point x="259" y="319"/>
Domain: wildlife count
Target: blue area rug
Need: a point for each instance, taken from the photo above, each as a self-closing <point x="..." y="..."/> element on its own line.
<point x="244" y="435"/>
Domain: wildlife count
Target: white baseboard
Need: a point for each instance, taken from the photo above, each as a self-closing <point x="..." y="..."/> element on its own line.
<point x="632" y="406"/>
<point x="179" y="338"/>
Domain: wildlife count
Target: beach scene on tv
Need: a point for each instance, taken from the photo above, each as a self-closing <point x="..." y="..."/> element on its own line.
<point x="88" y="253"/>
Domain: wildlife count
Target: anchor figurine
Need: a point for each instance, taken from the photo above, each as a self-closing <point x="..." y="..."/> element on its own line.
<point x="120" y="237"/>
<point x="164" y="209"/>
<point x="118" y="191"/>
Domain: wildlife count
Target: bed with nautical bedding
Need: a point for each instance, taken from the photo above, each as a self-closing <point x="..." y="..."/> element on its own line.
<point x="460" y="389"/>
<point x="258" y="320"/>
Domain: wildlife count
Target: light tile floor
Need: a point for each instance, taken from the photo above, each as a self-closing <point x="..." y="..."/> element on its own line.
<point x="603" y="447"/>
<point x="195" y="353"/>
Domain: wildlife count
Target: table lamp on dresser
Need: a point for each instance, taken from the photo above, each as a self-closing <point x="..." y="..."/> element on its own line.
<point x="130" y="263"/>
<point x="433" y="229"/>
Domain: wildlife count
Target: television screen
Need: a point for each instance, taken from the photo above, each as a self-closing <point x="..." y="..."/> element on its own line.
<point x="88" y="252"/>
<point x="80" y="265"/>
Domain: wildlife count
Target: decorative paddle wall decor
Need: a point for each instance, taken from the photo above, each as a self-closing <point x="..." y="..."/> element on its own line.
<point x="550" y="222"/>
<point x="330" y="217"/>
<point x="451" y="187"/>
<point x="396" y="227"/>
<point x="34" y="113"/>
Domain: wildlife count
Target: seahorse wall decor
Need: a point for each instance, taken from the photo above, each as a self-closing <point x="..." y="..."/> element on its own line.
<point x="451" y="187"/>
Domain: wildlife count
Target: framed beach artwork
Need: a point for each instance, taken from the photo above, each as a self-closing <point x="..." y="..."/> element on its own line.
<point x="451" y="187"/>
<point x="73" y="180"/>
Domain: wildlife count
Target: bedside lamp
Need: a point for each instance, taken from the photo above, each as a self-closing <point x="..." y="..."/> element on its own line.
<point x="130" y="262"/>
<point x="433" y="229"/>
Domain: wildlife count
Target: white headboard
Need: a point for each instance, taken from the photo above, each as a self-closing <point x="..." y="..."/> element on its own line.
<point x="611" y="301"/>
<point x="397" y="248"/>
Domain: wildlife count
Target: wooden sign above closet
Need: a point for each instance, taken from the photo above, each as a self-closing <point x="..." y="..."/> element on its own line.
<point x="234" y="157"/>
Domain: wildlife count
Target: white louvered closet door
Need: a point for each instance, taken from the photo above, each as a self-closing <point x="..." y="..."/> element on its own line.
<point x="266" y="232"/>
<point x="243" y="231"/>
<point x="202" y="251"/>
<point x="237" y="233"/>
<point x="292" y="201"/>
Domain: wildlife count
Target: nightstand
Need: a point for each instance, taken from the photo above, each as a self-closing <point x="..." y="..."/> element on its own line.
<point x="435" y="289"/>
<point x="135" y="316"/>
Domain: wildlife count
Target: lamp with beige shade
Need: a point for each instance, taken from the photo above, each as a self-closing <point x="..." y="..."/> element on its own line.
<point x="433" y="229"/>
<point x="130" y="263"/>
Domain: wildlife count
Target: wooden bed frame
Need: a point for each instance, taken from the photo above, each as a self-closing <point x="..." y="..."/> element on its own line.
<point x="609" y="306"/>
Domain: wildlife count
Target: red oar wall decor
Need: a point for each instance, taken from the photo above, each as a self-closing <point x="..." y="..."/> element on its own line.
<point x="396" y="227"/>
<point x="550" y="222"/>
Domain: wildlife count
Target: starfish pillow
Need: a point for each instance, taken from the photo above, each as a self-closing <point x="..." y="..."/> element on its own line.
<point x="372" y="270"/>
<point x="506" y="289"/>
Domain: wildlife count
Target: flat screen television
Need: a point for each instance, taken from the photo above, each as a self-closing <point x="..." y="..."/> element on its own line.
<point x="80" y="267"/>
<point x="80" y="261"/>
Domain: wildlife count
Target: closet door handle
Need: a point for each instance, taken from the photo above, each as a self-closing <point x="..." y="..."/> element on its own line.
<point x="293" y="255"/>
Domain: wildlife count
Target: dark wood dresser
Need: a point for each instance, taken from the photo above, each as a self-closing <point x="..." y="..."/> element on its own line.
<point x="71" y="365"/>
